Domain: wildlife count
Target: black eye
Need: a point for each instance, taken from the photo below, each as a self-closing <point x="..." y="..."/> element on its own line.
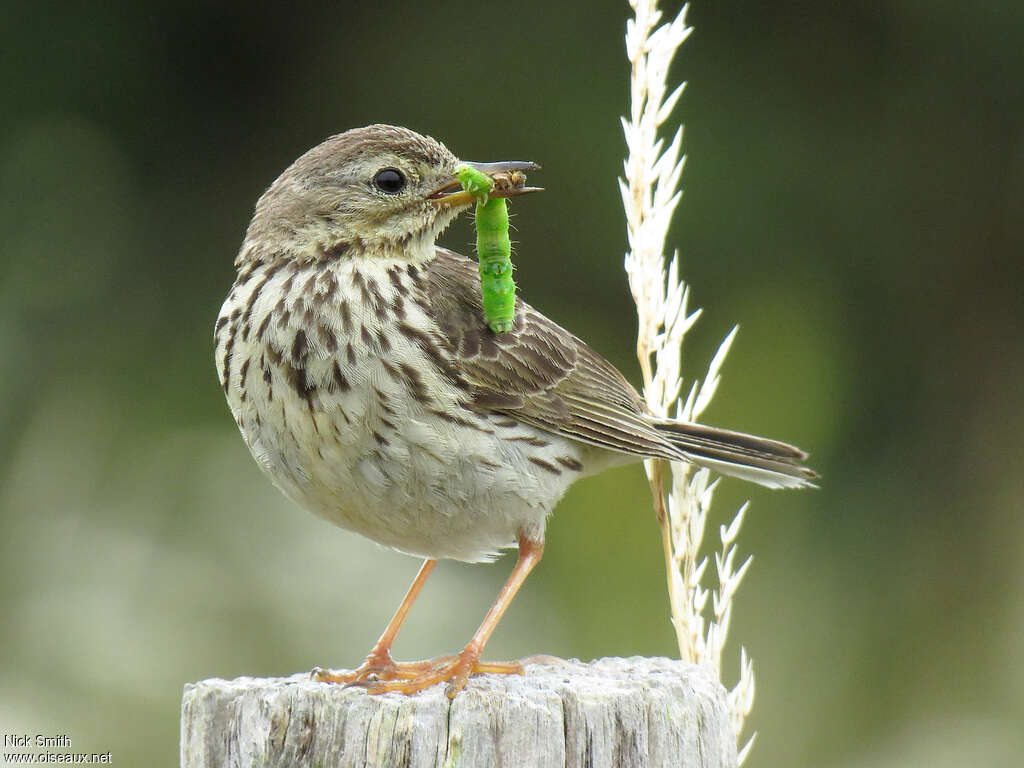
<point x="390" y="181"/>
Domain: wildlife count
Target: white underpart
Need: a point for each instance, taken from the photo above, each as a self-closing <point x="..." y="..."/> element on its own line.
<point x="425" y="486"/>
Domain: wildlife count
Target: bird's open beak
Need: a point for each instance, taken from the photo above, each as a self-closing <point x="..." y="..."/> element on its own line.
<point x="512" y="172"/>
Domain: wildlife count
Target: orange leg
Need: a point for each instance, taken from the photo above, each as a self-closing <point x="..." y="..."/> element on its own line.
<point x="457" y="669"/>
<point x="379" y="664"/>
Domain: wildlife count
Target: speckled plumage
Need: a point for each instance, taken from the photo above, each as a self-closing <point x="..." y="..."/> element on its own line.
<point x="353" y="403"/>
<point x="358" y="366"/>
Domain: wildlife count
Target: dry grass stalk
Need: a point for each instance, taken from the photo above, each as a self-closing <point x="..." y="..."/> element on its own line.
<point x="650" y="194"/>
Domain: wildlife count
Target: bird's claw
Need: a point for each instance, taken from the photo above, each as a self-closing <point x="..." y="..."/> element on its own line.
<point x="455" y="670"/>
<point x="378" y="666"/>
<point x="412" y="677"/>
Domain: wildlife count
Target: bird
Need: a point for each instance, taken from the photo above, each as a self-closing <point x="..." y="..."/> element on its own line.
<point x="366" y="383"/>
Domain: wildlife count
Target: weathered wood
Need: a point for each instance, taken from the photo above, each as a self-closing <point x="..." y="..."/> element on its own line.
<point x="621" y="713"/>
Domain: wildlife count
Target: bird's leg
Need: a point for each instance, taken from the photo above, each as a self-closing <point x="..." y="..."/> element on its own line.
<point x="457" y="669"/>
<point x="379" y="664"/>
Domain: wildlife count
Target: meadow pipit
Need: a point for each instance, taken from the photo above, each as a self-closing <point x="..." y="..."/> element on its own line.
<point x="361" y="372"/>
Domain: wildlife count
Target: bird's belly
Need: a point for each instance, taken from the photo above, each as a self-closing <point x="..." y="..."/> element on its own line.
<point x="348" y="410"/>
<point x="416" y="482"/>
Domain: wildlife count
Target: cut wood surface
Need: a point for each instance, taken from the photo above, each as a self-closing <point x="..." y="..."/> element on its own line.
<point x="620" y="713"/>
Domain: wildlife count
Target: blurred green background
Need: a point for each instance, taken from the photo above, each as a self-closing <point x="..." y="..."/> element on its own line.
<point x="854" y="199"/>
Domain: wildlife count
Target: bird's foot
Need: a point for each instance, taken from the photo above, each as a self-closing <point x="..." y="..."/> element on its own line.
<point x="378" y="666"/>
<point x="416" y="676"/>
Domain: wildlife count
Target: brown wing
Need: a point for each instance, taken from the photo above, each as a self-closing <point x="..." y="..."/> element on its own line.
<point x="538" y="373"/>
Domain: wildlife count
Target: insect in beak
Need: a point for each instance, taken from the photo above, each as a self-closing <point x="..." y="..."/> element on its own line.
<point x="509" y="180"/>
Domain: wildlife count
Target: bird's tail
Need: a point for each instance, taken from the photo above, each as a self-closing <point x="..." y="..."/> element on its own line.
<point x="763" y="461"/>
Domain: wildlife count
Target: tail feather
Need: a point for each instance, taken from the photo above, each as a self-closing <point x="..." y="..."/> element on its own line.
<point x="763" y="461"/>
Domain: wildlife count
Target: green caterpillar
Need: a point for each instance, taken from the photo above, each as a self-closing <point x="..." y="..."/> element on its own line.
<point x="493" y="249"/>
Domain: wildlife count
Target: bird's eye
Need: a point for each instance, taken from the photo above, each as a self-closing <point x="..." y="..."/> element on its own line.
<point x="390" y="181"/>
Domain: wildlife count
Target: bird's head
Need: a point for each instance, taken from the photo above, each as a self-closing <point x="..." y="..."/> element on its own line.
<point x="374" y="191"/>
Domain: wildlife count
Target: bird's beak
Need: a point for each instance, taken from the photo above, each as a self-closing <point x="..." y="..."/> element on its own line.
<point x="512" y="181"/>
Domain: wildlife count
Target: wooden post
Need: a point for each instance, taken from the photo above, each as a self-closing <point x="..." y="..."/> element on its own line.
<point x="619" y="713"/>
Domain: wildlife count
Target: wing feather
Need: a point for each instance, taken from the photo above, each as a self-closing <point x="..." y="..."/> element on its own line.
<point x="538" y="373"/>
